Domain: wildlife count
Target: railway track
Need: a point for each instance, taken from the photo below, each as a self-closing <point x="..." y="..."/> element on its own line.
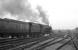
<point x="7" y="40"/>
<point x="37" y="43"/>
<point x="41" y="43"/>
<point x="12" y="44"/>
<point x="25" y="46"/>
<point x="11" y="41"/>
<point x="29" y="46"/>
<point x="60" y="43"/>
<point x="49" y="43"/>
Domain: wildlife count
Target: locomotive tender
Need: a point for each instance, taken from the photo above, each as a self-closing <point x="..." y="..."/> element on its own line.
<point x="14" y="28"/>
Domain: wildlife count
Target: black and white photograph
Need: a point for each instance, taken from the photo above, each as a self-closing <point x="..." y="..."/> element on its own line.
<point x="38" y="24"/>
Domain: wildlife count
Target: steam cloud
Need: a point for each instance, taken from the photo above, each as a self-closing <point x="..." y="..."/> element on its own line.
<point x="22" y="9"/>
<point x="43" y="15"/>
<point x="16" y="7"/>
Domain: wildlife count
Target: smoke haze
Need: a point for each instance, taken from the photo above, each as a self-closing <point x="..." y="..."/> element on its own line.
<point x="43" y="15"/>
<point x="16" y="7"/>
<point x="21" y="9"/>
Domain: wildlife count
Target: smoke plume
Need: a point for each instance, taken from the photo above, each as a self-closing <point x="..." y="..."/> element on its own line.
<point x="16" y="7"/>
<point x="21" y="9"/>
<point x="43" y="15"/>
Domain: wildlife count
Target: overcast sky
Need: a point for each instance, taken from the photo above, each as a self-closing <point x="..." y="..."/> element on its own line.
<point x="63" y="14"/>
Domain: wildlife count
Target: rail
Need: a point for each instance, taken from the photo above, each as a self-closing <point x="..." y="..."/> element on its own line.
<point x="71" y="40"/>
<point x="42" y="46"/>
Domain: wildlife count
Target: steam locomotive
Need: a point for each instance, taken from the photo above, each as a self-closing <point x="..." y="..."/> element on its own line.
<point x="14" y="28"/>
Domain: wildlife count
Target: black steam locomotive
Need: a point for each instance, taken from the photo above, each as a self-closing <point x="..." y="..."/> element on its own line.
<point x="14" y="28"/>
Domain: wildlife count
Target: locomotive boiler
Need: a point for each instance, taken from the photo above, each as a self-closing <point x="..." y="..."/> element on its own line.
<point x="14" y="28"/>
